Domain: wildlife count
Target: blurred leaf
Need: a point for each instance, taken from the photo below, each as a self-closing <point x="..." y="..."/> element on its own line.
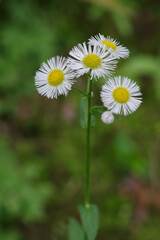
<point x="127" y="157"/>
<point x="96" y="12"/>
<point x="123" y="23"/>
<point x="75" y="230"/>
<point x="119" y="213"/>
<point x="148" y="231"/>
<point x="83" y="112"/>
<point x="90" y="220"/>
<point x="93" y="120"/>
<point x="9" y="235"/>
<point x="114" y="6"/>
<point x="143" y="65"/>
<point x="20" y="197"/>
<point x="98" y="110"/>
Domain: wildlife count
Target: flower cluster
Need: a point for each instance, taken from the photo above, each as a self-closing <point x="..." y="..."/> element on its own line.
<point x="99" y="57"/>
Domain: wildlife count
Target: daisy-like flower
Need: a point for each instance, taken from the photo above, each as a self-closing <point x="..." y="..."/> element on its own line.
<point x="121" y="95"/>
<point x="54" y="78"/>
<point x="116" y="50"/>
<point x="94" y="59"/>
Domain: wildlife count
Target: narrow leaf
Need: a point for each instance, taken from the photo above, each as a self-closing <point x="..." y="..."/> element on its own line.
<point x="75" y="230"/>
<point x="93" y="120"/>
<point x="83" y="112"/>
<point x="98" y="110"/>
<point x="90" y="220"/>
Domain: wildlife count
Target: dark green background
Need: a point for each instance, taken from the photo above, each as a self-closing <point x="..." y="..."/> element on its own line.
<point x="42" y="147"/>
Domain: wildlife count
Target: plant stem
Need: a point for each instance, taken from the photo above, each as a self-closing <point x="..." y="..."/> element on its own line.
<point x="79" y="90"/>
<point x="89" y="91"/>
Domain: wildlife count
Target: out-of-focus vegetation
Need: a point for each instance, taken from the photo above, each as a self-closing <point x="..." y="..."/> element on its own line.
<point x="42" y="147"/>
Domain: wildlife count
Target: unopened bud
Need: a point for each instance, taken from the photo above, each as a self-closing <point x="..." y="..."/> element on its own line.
<point x="107" y="117"/>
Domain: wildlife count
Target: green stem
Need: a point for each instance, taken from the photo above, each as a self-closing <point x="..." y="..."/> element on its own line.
<point x="80" y="91"/>
<point x="89" y="91"/>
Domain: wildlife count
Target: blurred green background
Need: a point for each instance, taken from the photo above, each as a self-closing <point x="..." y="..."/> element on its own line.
<point x="42" y="147"/>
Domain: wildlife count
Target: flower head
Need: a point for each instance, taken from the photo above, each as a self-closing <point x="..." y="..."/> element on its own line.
<point x="107" y="117"/>
<point x="54" y="78"/>
<point x="94" y="59"/>
<point x="121" y="95"/>
<point x="116" y="50"/>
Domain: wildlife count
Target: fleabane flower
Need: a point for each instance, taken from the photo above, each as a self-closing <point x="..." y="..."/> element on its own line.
<point x="93" y="59"/>
<point x="54" y="78"/>
<point x="121" y="95"/>
<point x="116" y="50"/>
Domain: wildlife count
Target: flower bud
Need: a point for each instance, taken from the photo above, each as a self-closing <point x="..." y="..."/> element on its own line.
<point x="107" y="117"/>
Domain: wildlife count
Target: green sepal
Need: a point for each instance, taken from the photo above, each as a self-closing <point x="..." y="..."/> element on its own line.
<point x="116" y="116"/>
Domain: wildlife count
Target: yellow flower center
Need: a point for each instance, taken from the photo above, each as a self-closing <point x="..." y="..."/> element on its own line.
<point x="55" y="77"/>
<point x="92" y="61"/>
<point x="109" y="44"/>
<point x="121" y="95"/>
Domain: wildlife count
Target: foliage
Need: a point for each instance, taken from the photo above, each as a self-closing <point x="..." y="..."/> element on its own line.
<point x="90" y="222"/>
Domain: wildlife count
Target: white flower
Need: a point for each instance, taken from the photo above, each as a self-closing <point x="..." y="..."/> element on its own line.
<point x="116" y="50"/>
<point x="54" y="78"/>
<point x="96" y="60"/>
<point x="121" y="95"/>
<point x="107" y="117"/>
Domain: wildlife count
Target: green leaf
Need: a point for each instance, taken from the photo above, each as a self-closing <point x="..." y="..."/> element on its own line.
<point x="83" y="112"/>
<point x="90" y="220"/>
<point x="75" y="230"/>
<point x="98" y="110"/>
<point x="93" y="120"/>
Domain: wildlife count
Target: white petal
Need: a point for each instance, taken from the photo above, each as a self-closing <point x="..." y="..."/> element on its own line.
<point x="41" y="78"/>
<point x="121" y="108"/>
